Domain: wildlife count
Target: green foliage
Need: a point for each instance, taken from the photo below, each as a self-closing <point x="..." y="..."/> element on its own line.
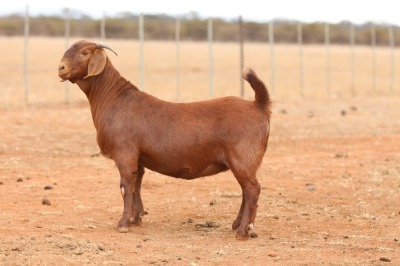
<point x="194" y="29"/>
<point x="162" y="27"/>
<point x="11" y="26"/>
<point x="285" y="32"/>
<point x="159" y="28"/>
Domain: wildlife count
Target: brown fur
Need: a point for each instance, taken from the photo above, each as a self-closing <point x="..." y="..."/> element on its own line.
<point x="183" y="140"/>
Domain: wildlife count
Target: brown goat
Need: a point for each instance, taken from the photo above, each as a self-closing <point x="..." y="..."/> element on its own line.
<point x="182" y="140"/>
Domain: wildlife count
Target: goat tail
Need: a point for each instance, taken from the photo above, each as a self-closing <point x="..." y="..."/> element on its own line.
<point x="262" y="95"/>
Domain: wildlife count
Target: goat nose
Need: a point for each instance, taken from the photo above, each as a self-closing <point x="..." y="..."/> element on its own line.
<point x="61" y="67"/>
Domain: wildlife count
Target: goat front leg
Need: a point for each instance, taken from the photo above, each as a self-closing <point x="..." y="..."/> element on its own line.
<point x="129" y="172"/>
<point x="138" y="210"/>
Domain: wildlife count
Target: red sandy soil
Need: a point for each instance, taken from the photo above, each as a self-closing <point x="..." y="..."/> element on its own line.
<point x="330" y="193"/>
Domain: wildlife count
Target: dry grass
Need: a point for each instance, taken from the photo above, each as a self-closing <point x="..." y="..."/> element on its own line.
<point x="160" y="70"/>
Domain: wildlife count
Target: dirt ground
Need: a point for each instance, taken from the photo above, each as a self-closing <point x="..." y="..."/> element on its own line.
<point x="330" y="193"/>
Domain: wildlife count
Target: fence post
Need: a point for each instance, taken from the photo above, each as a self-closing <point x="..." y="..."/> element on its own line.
<point x="178" y="59"/>
<point x="103" y="27"/>
<point x="66" y="35"/>
<point x="241" y="56"/>
<point x="392" y="58"/>
<point x="353" y="60"/>
<point x="272" y="54"/>
<point x="328" y="59"/>
<point x="211" y="58"/>
<point x="301" y="58"/>
<point x="25" y="55"/>
<point x="373" y="50"/>
<point x="141" y="50"/>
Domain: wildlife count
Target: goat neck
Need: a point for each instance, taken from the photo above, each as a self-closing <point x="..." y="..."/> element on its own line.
<point x="103" y="89"/>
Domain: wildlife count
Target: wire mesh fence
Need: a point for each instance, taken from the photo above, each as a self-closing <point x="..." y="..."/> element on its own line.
<point x="185" y="70"/>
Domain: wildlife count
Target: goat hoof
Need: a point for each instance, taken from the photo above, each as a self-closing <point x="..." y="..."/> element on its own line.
<point x="242" y="236"/>
<point x="235" y="224"/>
<point x="123" y="229"/>
<point x="136" y="221"/>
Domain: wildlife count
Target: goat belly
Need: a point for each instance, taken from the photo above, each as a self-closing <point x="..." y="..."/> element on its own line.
<point x="182" y="170"/>
<point x="191" y="173"/>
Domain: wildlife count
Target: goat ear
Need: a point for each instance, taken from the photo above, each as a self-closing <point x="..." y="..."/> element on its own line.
<point x="97" y="62"/>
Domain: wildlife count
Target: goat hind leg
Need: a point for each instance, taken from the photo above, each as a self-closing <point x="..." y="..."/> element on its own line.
<point x="251" y="192"/>
<point x="236" y="223"/>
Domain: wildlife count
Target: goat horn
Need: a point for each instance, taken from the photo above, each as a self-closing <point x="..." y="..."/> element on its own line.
<point x="103" y="45"/>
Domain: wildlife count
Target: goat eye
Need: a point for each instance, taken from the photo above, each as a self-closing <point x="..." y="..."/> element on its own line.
<point x="85" y="52"/>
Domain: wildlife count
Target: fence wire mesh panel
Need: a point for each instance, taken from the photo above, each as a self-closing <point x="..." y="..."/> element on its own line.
<point x="295" y="59"/>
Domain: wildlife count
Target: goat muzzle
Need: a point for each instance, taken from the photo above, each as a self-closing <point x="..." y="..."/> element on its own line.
<point x="63" y="71"/>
